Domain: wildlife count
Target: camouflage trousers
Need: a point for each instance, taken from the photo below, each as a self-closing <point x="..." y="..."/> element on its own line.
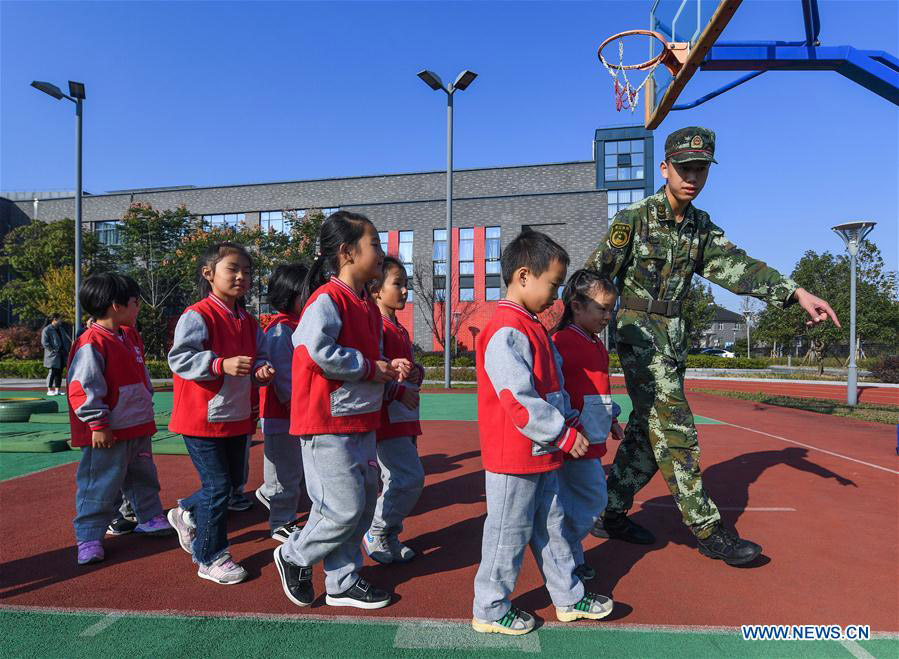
<point x="660" y="436"/>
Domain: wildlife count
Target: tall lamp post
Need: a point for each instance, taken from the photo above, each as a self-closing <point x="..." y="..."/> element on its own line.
<point x="853" y="233"/>
<point x="462" y="81"/>
<point x="76" y="95"/>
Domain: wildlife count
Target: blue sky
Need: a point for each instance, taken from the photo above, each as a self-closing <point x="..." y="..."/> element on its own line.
<point x="216" y="93"/>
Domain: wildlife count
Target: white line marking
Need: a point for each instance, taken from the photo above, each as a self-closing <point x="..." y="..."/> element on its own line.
<point x="814" y="448"/>
<point x="748" y="509"/>
<point x="455" y="636"/>
<point x="99" y="626"/>
<point x="361" y="620"/>
<point x="855" y="649"/>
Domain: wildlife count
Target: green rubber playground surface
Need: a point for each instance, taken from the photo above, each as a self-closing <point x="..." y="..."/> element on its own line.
<point x="29" y="634"/>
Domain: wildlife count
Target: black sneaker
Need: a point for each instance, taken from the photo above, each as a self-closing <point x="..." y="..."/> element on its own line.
<point x="296" y="580"/>
<point x="239" y="502"/>
<point x="362" y="596"/>
<point x="264" y="500"/>
<point x="128" y="512"/>
<point x="282" y="533"/>
<point x="619" y="526"/>
<point x="121" y="526"/>
<point x="585" y="572"/>
<point x="728" y="547"/>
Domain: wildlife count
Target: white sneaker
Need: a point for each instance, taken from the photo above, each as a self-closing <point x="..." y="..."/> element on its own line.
<point x="179" y="519"/>
<point x="223" y="570"/>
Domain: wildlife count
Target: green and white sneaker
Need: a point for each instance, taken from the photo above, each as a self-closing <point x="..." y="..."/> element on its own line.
<point x="591" y="606"/>
<point x="515" y="623"/>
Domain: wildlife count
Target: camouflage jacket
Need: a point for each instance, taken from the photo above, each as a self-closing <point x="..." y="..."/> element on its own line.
<point x="651" y="257"/>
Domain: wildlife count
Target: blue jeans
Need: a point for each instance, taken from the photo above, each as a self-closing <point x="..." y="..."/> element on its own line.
<point x="219" y="461"/>
<point x="104" y="474"/>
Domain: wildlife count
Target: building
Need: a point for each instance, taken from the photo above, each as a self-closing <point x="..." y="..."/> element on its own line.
<point x="727" y="328"/>
<point x="570" y="201"/>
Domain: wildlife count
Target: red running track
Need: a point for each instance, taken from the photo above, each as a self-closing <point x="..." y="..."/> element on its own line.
<point x="830" y="557"/>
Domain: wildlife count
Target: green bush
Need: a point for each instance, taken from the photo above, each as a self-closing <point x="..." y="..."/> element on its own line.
<point x="459" y="374"/>
<point x="707" y="361"/>
<point x="886" y="369"/>
<point x="159" y="368"/>
<point x="34" y="368"/>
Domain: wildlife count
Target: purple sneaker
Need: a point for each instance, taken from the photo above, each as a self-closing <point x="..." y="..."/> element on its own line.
<point x="158" y="526"/>
<point x="90" y="551"/>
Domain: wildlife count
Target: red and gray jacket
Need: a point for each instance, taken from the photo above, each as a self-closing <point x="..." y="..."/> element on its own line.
<point x="109" y="386"/>
<point x="585" y="366"/>
<point x="336" y="345"/>
<point x="275" y="397"/>
<point x="525" y="418"/>
<point x="397" y="420"/>
<point x="209" y="402"/>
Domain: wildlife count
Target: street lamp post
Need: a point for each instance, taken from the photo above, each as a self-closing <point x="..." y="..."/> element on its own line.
<point x="852" y="233"/>
<point x="462" y="81"/>
<point x="76" y="95"/>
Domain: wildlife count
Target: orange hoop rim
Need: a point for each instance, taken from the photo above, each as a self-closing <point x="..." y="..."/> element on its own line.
<point x="648" y="64"/>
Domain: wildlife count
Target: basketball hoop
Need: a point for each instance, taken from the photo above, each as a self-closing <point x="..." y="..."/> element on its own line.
<point x="672" y="56"/>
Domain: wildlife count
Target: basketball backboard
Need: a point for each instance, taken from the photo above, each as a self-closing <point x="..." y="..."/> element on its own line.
<point x="692" y="24"/>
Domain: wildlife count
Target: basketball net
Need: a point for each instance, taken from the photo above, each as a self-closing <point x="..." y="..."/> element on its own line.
<point x="627" y="97"/>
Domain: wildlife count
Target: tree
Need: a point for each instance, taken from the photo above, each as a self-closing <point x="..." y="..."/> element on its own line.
<point x="827" y="276"/>
<point x="698" y="312"/>
<point x="58" y="286"/>
<point x="32" y="250"/>
<point x="430" y="303"/>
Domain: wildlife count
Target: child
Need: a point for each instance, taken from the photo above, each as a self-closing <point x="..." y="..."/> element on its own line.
<point x="338" y="389"/>
<point x="111" y="414"/>
<point x="217" y="354"/>
<point x="589" y="299"/>
<point x="283" y="462"/>
<point x="526" y="424"/>
<point x="402" y="475"/>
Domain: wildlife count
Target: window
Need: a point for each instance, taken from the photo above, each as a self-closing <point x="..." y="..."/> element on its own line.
<point x="329" y="211"/>
<point x="405" y="257"/>
<point x="108" y="232"/>
<point x="383" y="237"/>
<point x="620" y="199"/>
<point x="738" y="327"/>
<point x="223" y="220"/>
<point x="272" y="221"/>
<point x="492" y="268"/>
<point x="623" y="160"/>
<point x="439" y="260"/>
<point x="466" y="265"/>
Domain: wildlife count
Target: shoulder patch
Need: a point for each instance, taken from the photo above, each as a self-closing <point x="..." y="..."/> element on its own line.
<point x="619" y="235"/>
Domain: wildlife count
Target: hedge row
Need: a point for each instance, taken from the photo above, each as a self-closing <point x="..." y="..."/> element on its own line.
<point x="693" y="361"/>
<point x="34" y="368"/>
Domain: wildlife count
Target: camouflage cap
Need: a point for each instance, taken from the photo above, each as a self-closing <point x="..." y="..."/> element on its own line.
<point x="691" y="143"/>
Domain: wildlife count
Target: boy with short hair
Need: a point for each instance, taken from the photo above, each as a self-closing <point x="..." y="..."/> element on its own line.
<point x="526" y="424"/>
<point x="111" y="415"/>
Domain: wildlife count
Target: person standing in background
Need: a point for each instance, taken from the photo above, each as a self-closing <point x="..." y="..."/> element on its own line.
<point x="56" y="353"/>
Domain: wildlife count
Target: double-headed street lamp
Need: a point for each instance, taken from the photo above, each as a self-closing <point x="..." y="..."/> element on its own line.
<point x="76" y="95"/>
<point x="853" y="233"/>
<point x="462" y="81"/>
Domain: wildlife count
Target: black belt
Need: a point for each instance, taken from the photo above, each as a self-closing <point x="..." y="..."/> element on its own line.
<point x="668" y="308"/>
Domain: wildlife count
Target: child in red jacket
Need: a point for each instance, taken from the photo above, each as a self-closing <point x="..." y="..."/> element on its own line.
<point x="283" y="462"/>
<point x="338" y="389"/>
<point x="111" y="415"/>
<point x="402" y="475"/>
<point x="217" y="357"/>
<point x="589" y="299"/>
<point x="526" y="425"/>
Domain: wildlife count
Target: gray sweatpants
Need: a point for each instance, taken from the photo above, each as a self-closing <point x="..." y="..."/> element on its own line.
<point x="582" y="490"/>
<point x="282" y="470"/>
<point x="402" y="478"/>
<point x="342" y="481"/>
<point x="523" y="509"/>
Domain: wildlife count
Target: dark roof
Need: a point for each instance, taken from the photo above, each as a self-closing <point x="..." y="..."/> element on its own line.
<point x="723" y="315"/>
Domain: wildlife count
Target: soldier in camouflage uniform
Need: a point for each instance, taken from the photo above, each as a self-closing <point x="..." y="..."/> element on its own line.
<point x="652" y="250"/>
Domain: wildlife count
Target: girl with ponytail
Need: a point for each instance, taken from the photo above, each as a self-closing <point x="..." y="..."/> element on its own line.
<point x="338" y="386"/>
<point x="589" y="298"/>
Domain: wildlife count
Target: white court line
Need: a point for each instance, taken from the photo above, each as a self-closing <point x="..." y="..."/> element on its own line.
<point x="814" y="448"/>
<point x="102" y="624"/>
<point x="747" y="509"/>
<point x="855" y="649"/>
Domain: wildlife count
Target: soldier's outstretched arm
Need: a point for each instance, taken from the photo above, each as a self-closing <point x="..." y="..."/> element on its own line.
<point x="613" y="252"/>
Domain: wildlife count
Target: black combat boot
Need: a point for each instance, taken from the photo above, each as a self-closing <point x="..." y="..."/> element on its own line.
<point x="729" y="547"/>
<point x="619" y="526"/>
